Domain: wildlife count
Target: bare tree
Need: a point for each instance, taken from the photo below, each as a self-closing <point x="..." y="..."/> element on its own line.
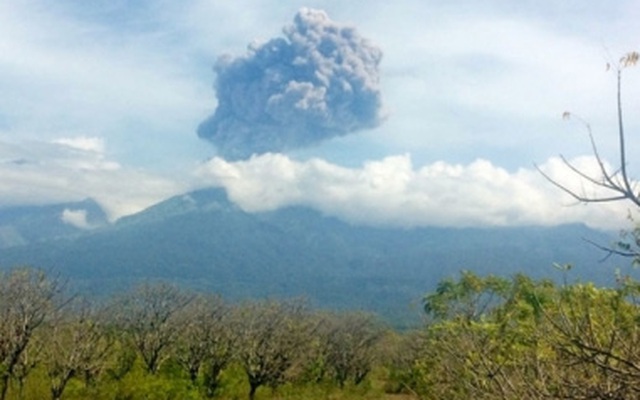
<point x="30" y="358"/>
<point x="616" y="184"/>
<point x="349" y="345"/>
<point x="76" y="346"/>
<point x="272" y="336"/>
<point x="123" y="357"/>
<point x="27" y="299"/>
<point x="149" y="317"/>
<point x="207" y="341"/>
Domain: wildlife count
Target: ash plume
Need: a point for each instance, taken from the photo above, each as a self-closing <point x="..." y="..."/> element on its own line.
<point x="319" y="81"/>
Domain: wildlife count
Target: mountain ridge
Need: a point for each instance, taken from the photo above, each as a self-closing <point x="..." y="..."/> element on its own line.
<point x="23" y="225"/>
<point x="204" y="241"/>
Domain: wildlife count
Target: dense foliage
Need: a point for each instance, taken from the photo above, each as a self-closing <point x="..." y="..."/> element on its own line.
<point x="497" y="338"/>
<point x="484" y="337"/>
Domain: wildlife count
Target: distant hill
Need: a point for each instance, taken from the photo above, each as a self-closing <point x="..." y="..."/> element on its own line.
<point x="25" y="225"/>
<point x="203" y="241"/>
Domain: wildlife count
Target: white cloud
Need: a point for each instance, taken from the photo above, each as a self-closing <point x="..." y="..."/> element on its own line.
<point x="44" y="172"/>
<point x="463" y="80"/>
<point x="77" y="218"/>
<point x="85" y="143"/>
<point x="392" y="191"/>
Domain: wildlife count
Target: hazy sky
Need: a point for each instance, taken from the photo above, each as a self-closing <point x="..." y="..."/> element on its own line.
<point x="103" y="99"/>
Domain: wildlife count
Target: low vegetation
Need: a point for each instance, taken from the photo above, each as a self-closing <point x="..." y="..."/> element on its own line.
<point x="483" y="337"/>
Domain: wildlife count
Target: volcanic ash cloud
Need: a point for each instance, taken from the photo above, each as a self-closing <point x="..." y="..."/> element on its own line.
<point x="319" y="81"/>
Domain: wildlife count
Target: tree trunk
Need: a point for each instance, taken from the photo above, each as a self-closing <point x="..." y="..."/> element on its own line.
<point x="5" y="386"/>
<point x="58" y="388"/>
<point x="252" y="391"/>
<point x="193" y="374"/>
<point x="212" y="379"/>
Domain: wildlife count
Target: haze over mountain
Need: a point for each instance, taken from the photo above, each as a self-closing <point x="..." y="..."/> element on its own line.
<point x="203" y="241"/>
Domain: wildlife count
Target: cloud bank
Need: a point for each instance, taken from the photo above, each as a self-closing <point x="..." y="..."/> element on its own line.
<point x="73" y="169"/>
<point x="394" y="192"/>
<point x="320" y="81"/>
<point x="391" y="191"/>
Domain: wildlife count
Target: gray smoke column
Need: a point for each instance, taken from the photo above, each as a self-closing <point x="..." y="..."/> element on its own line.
<point x="319" y="81"/>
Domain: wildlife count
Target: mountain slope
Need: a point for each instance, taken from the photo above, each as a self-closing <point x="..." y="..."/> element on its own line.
<point x="24" y="225"/>
<point x="203" y="241"/>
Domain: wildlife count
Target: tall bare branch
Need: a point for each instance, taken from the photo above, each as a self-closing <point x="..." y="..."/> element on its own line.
<point x="617" y="182"/>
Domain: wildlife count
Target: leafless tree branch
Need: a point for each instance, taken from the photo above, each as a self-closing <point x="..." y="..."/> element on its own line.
<point x="618" y="181"/>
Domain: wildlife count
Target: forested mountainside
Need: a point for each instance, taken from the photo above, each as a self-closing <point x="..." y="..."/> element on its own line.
<point x="203" y="241"/>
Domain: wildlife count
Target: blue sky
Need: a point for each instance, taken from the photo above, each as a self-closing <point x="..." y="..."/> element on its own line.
<point x="103" y="99"/>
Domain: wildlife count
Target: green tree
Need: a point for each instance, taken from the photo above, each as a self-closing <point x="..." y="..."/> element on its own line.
<point x="596" y="337"/>
<point x="470" y="297"/>
<point x="532" y="339"/>
<point x="485" y="339"/>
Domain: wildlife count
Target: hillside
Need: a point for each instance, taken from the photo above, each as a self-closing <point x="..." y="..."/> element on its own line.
<point x="25" y="225"/>
<point x="203" y="241"/>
